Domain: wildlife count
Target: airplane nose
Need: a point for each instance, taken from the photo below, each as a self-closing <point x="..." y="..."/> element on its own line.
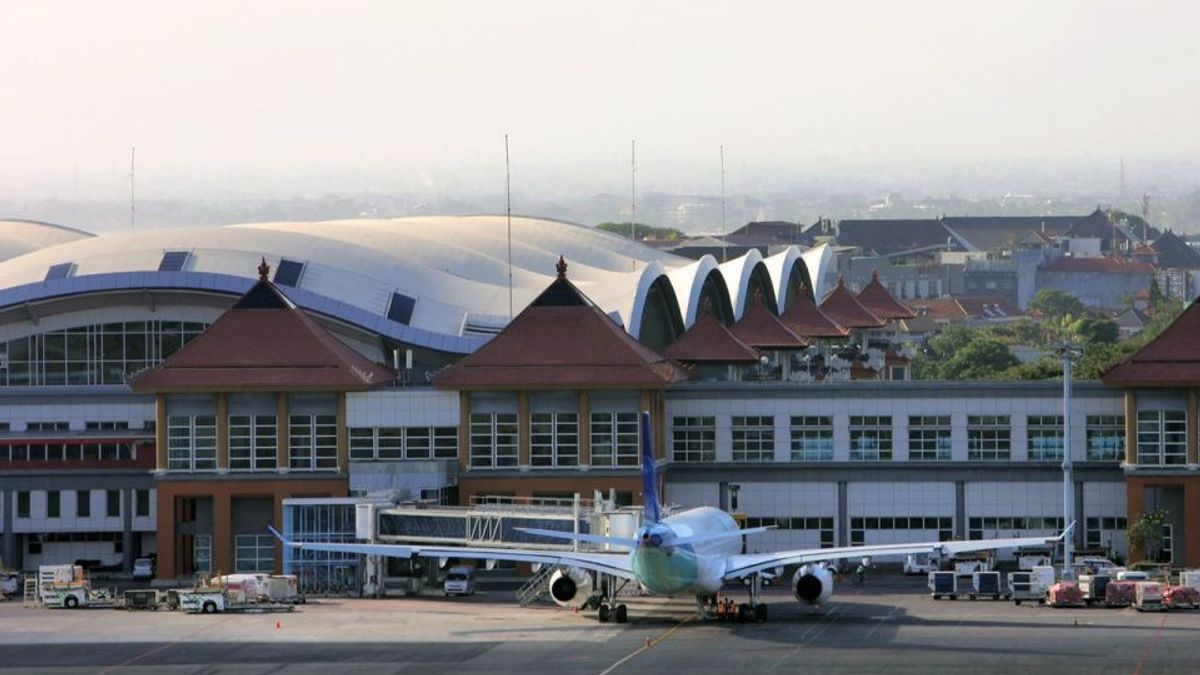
<point x="656" y="540"/>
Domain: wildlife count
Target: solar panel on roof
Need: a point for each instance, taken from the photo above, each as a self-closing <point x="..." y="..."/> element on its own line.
<point x="401" y="308"/>
<point x="60" y="271"/>
<point x="173" y="261"/>
<point x="288" y="272"/>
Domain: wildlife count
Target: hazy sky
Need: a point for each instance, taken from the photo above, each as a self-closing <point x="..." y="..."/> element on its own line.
<point x="308" y="87"/>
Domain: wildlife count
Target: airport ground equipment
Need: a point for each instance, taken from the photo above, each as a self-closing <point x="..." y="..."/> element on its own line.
<point x="943" y="584"/>
<point x="919" y="563"/>
<point x="1065" y="594"/>
<point x="1029" y="586"/>
<point x="1120" y="593"/>
<point x="141" y="599"/>
<point x="1190" y="578"/>
<point x="1181" y="597"/>
<point x="67" y="587"/>
<point x="1148" y="597"/>
<point x="969" y="563"/>
<point x="986" y="585"/>
<point x="1094" y="587"/>
<point x="1029" y="558"/>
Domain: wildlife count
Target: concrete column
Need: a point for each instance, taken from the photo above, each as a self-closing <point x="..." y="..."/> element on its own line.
<point x="585" y="429"/>
<point x="222" y="432"/>
<point x="464" y="431"/>
<point x="1191" y="427"/>
<point x="523" y="440"/>
<point x="160" y="431"/>
<point x="127" y="530"/>
<point x="1130" y="427"/>
<point x="960" y="509"/>
<point x="284" y="441"/>
<point x="222" y="533"/>
<point x="343" y="434"/>
<point x="843" y="514"/>
<point x="8" y="549"/>
<point x="168" y="547"/>
<point x="1079" y="534"/>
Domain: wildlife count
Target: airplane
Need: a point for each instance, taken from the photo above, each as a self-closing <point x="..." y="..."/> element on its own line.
<point x="692" y="552"/>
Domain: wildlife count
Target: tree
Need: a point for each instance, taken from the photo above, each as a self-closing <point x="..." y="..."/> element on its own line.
<point x="1146" y="534"/>
<point x="1045" y="368"/>
<point x="642" y="231"/>
<point x="1056" y="304"/>
<point x="1092" y="330"/>
<point x="983" y="358"/>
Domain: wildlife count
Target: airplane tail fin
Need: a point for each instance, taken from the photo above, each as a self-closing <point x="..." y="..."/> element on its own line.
<point x="651" y="509"/>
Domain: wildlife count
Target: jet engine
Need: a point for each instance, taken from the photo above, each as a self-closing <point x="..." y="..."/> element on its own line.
<point x="812" y="584"/>
<point x="570" y="586"/>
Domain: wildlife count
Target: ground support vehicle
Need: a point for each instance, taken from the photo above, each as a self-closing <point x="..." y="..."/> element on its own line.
<point x="68" y="587"/>
<point x="1026" y="587"/>
<point x="1065" y="594"/>
<point x="1181" y="597"/>
<point x="1120" y="593"/>
<point x="1148" y="597"/>
<point x="943" y="584"/>
<point x="919" y="563"/>
<point x="212" y="601"/>
<point x="1029" y="558"/>
<point x="967" y="564"/>
<point x="1094" y="587"/>
<point x="142" y="598"/>
<point x="986" y="585"/>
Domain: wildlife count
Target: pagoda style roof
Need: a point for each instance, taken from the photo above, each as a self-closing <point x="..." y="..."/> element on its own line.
<point x="1170" y="360"/>
<point x="562" y="340"/>
<point x="761" y="329"/>
<point x="841" y="306"/>
<point x="709" y="341"/>
<point x="263" y="343"/>
<point x="876" y="298"/>
<point x="807" y="320"/>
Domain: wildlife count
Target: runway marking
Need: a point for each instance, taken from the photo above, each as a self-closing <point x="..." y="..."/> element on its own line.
<point x="163" y="647"/>
<point x="1150" y="645"/>
<point x="650" y="642"/>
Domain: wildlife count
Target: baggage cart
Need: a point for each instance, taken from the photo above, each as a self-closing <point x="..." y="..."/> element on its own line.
<point x="943" y="584"/>
<point x="1094" y="587"/>
<point x="1026" y="586"/>
<point x="1148" y="597"/>
<point x="141" y="599"/>
<point x="986" y="585"/>
<point x="1065" y="594"/>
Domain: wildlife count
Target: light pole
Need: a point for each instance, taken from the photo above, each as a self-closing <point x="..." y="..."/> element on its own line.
<point x="1069" y="352"/>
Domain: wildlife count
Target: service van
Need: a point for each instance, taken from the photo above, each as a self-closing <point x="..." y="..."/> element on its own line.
<point x="460" y="580"/>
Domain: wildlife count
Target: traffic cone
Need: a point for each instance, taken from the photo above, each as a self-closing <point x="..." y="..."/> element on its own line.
<point x="278" y="624"/>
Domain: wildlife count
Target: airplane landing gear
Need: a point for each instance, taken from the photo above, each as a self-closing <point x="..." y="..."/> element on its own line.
<point x="616" y="613"/>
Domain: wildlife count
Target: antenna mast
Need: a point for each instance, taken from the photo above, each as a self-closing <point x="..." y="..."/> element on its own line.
<point x="633" y="190"/>
<point x="132" y="202"/>
<point x="723" y="242"/>
<point x="508" y="209"/>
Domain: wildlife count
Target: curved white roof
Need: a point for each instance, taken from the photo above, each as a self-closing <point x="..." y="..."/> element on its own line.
<point x="18" y="237"/>
<point x="455" y="269"/>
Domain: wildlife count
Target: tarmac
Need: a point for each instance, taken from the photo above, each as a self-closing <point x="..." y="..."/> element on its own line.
<point x="887" y="625"/>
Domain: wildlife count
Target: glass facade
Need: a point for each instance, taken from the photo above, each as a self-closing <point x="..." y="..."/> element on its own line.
<point x="615" y="439"/>
<point x="929" y="437"/>
<point x="812" y="439"/>
<point x="254" y="553"/>
<point x="253" y="443"/>
<point x="1161" y="437"/>
<point x="989" y="437"/>
<point x="312" y="442"/>
<point x="90" y="355"/>
<point x="318" y="572"/>
<point x="693" y="439"/>
<point x="493" y="440"/>
<point x="870" y="437"/>
<point x="753" y="439"/>
<point x="1105" y="438"/>
<point x="388" y="443"/>
<point x="554" y="440"/>
<point x="1045" y="437"/>
<point x="191" y="443"/>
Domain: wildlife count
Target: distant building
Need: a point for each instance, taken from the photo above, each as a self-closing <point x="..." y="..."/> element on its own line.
<point x="1102" y="283"/>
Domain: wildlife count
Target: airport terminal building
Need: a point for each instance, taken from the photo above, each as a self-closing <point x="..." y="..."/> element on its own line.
<point x="167" y="391"/>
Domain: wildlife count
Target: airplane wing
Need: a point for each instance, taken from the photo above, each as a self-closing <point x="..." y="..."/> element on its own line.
<point x="741" y="565"/>
<point x="616" y="564"/>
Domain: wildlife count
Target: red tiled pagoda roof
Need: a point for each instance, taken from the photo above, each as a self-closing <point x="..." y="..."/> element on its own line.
<point x="1171" y="359"/>
<point x="761" y="329"/>
<point x="709" y="341"/>
<point x="263" y="343"/>
<point x="841" y="306"/>
<point x="876" y="298"/>
<point x="562" y="341"/>
<point x="807" y="320"/>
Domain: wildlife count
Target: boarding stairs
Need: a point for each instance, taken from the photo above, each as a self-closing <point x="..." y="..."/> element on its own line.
<point x="31" y="597"/>
<point x="536" y="587"/>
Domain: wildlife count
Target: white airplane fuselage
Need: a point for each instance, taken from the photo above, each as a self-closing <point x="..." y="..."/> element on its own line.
<point x="667" y="569"/>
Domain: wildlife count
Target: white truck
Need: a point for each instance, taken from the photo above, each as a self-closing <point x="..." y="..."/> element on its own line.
<point x="67" y="586"/>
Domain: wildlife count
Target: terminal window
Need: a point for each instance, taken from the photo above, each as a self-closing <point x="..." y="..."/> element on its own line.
<point x="753" y="439"/>
<point x="989" y="437"/>
<point x="1105" y="438"/>
<point x="929" y="437"/>
<point x="1045" y="437"/>
<point x="694" y="439"/>
<point x="812" y="438"/>
<point x="554" y="439"/>
<point x="870" y="437"/>
<point x="615" y="439"/>
<point x="1161" y="437"/>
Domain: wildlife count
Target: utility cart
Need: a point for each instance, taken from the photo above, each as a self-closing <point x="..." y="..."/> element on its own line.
<point x="943" y="584"/>
<point x="986" y="585"/>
